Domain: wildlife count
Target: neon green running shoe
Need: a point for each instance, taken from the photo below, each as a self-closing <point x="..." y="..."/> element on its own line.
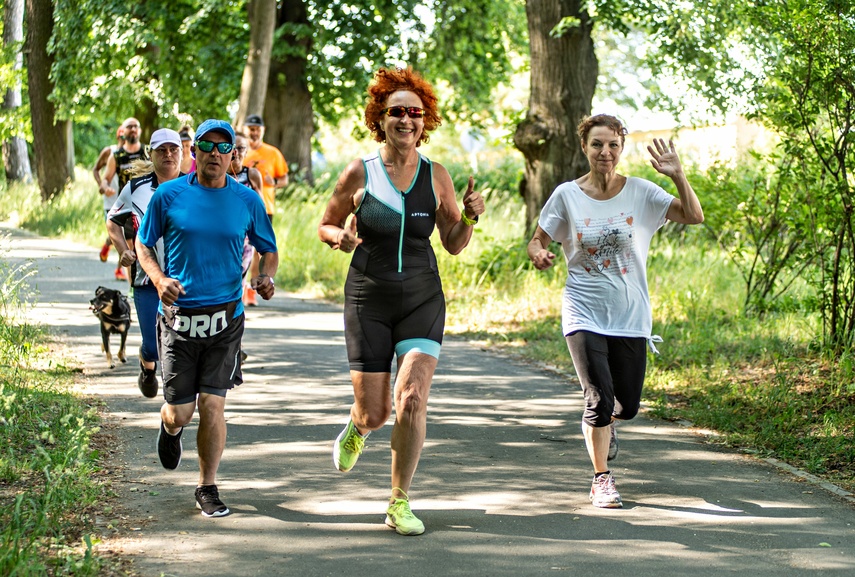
<point x="347" y="448"/>
<point x="401" y="518"/>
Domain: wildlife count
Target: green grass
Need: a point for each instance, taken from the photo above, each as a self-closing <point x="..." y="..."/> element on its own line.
<point x="305" y="264"/>
<point x="76" y="215"/>
<point x="48" y="469"/>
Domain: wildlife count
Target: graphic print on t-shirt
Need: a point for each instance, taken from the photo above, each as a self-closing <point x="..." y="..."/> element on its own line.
<point x="606" y="244"/>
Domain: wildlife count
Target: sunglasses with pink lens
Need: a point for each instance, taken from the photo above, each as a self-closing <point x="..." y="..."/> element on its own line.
<point x="400" y="111"/>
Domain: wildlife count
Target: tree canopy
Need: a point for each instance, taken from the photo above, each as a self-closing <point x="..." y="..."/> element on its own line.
<point x="187" y="56"/>
<point x="184" y="56"/>
<point x="791" y="65"/>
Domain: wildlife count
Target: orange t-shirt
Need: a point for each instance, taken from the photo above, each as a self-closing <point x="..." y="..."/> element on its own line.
<point x="269" y="162"/>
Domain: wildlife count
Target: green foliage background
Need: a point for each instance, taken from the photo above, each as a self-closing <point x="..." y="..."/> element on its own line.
<point x="110" y="55"/>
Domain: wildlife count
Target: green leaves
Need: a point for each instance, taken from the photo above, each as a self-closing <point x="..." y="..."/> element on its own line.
<point x="791" y="65"/>
<point x="564" y="25"/>
<point x="471" y="49"/>
<point x="186" y="56"/>
<point x="757" y="213"/>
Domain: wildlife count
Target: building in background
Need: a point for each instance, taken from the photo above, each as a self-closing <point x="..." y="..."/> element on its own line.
<point x="704" y="146"/>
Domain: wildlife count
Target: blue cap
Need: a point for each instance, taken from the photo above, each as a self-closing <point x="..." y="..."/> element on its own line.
<point x="214" y="125"/>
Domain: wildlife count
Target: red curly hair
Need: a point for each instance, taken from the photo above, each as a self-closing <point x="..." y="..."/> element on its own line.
<point x="388" y="81"/>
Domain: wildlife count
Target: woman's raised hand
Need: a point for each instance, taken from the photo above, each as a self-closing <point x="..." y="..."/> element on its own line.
<point x="665" y="159"/>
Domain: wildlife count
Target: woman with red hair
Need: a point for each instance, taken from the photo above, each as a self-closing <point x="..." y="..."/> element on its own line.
<point x="394" y="304"/>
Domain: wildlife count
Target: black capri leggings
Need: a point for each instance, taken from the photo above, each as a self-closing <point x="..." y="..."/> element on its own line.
<point x="611" y="370"/>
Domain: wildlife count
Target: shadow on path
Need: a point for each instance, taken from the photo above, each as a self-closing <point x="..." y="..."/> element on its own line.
<point x="502" y="485"/>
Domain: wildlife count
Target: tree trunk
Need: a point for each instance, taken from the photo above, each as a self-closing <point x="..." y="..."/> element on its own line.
<point x="288" y="112"/>
<point x="50" y="142"/>
<point x="146" y="112"/>
<point x="563" y="79"/>
<point x="253" y="86"/>
<point x="15" y="159"/>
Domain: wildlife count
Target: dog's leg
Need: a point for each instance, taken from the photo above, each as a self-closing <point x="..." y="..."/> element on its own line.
<point x="105" y="344"/>
<point x="124" y="327"/>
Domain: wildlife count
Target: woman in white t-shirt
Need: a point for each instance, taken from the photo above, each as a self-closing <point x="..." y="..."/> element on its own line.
<point x="605" y="222"/>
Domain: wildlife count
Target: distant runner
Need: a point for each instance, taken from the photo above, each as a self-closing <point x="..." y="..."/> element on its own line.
<point x="109" y="195"/>
<point x="268" y="160"/>
<point x="120" y="163"/>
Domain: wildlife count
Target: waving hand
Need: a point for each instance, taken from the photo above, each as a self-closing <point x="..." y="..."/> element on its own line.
<point x="665" y="159"/>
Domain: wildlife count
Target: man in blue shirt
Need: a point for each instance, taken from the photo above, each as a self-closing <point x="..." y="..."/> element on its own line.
<point x="203" y="219"/>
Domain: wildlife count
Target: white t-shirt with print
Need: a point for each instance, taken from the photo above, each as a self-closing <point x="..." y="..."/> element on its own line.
<point x="606" y="244"/>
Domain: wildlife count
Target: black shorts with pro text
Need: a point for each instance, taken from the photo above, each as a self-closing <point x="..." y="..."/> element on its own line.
<point x="199" y="351"/>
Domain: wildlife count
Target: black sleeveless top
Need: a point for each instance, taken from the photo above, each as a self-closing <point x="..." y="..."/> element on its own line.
<point x="123" y="163"/>
<point x="395" y="226"/>
<point x="243" y="178"/>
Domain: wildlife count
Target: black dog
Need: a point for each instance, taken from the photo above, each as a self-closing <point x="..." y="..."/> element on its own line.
<point x="113" y="310"/>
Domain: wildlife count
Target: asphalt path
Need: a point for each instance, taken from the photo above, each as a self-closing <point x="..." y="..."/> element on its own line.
<point x="502" y="486"/>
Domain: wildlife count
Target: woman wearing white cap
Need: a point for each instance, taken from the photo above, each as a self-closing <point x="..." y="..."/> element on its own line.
<point x="131" y="204"/>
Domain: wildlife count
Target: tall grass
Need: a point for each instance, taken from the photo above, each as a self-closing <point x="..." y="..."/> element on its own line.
<point x="47" y="466"/>
<point x="758" y="381"/>
<point x="305" y="264"/>
<point x="77" y="214"/>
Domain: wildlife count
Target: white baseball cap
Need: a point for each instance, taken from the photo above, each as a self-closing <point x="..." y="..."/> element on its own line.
<point x="163" y="136"/>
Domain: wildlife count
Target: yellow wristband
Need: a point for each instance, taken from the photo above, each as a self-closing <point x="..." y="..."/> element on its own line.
<point x="468" y="221"/>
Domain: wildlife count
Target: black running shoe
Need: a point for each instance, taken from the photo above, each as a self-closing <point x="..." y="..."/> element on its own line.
<point x="147" y="382"/>
<point x="208" y="500"/>
<point x="169" y="448"/>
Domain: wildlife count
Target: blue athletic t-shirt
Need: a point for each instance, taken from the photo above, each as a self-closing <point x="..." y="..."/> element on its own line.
<point x="203" y="230"/>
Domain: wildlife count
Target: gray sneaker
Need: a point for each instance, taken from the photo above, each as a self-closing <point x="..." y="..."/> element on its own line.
<point x="604" y="494"/>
